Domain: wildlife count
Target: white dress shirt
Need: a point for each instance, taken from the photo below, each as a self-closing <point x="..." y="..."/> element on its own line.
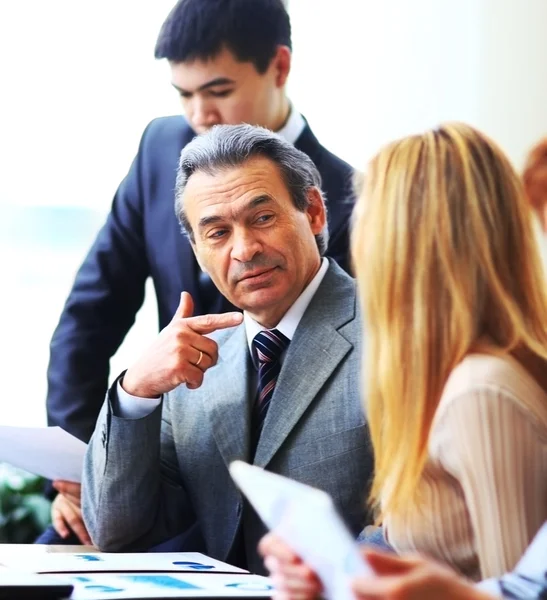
<point x="291" y="319"/>
<point x="293" y="127"/>
<point x="133" y="407"/>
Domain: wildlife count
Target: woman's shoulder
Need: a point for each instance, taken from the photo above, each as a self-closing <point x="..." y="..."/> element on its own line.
<point x="498" y="378"/>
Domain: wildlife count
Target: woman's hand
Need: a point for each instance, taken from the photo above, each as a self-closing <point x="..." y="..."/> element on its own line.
<point x="293" y="579"/>
<point x="395" y="578"/>
<point x="411" y="578"/>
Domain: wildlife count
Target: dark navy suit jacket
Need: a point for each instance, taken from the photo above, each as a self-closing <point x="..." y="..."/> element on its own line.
<point x="142" y="238"/>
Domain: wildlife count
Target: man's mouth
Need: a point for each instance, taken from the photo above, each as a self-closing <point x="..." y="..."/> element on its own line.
<point x="250" y="275"/>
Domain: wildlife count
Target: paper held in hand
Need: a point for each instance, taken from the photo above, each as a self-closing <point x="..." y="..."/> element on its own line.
<point x="307" y="520"/>
<point x="47" y="451"/>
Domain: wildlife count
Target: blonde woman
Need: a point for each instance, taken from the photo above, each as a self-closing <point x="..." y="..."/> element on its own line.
<point x="456" y="354"/>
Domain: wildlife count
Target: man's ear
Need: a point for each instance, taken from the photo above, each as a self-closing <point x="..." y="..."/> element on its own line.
<point x="282" y="65"/>
<point x="316" y="211"/>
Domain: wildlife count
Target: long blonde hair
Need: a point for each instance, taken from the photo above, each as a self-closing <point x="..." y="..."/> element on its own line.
<point x="445" y="256"/>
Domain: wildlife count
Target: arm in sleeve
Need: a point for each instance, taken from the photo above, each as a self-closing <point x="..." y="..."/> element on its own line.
<point x="133" y="407"/>
<point x="132" y="493"/>
<point x="102" y="305"/>
<point x="494" y="449"/>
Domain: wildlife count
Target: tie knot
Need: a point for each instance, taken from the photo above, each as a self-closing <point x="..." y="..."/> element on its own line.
<point x="269" y="345"/>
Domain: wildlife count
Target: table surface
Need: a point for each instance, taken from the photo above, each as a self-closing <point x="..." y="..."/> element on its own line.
<point x="33" y="549"/>
<point x="44" y="548"/>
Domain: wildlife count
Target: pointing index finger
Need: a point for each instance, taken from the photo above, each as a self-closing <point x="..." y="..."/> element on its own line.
<point x="208" y="323"/>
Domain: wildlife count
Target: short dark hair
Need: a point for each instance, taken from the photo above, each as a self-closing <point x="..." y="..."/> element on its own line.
<point x="229" y="146"/>
<point x="199" y="29"/>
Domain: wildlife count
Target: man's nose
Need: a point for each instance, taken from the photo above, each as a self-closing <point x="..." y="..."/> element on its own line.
<point x="202" y="114"/>
<point x="245" y="246"/>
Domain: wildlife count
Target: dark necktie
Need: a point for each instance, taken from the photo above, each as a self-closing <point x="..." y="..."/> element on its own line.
<point x="269" y="345"/>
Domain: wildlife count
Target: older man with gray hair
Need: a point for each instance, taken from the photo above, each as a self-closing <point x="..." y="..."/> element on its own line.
<point x="276" y="386"/>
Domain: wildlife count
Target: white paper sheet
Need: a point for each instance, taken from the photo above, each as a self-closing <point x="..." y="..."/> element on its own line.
<point x="307" y="520"/>
<point x="529" y="574"/>
<point x="167" y="585"/>
<point x="190" y="562"/>
<point x="534" y="562"/>
<point x="47" y="451"/>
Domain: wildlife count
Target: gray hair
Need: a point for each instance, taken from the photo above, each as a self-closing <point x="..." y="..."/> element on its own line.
<point x="226" y="146"/>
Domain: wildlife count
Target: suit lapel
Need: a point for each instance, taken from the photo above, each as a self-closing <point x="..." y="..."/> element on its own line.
<point x="227" y="398"/>
<point x="313" y="355"/>
<point x="309" y="144"/>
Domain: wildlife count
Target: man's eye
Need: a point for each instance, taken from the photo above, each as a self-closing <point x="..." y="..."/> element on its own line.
<point x="185" y="95"/>
<point x="221" y="93"/>
<point x="264" y="218"/>
<point x="218" y="233"/>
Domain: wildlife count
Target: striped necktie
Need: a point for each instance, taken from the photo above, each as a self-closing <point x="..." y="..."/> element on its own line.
<point x="269" y="345"/>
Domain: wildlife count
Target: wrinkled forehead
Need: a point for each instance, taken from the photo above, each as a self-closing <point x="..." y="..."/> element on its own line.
<point x="229" y="189"/>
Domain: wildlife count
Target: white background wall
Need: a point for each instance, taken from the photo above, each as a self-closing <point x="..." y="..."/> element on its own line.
<point x="74" y="74"/>
<point x="373" y="70"/>
<point x="78" y="83"/>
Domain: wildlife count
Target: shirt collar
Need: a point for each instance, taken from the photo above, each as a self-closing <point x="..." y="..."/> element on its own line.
<point x="291" y="319"/>
<point x="293" y="128"/>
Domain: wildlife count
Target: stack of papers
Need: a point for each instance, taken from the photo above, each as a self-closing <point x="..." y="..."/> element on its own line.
<point x="109" y="562"/>
<point x="97" y="576"/>
<point x="167" y="585"/>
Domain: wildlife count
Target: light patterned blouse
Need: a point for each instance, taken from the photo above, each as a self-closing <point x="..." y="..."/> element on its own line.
<point x="484" y="491"/>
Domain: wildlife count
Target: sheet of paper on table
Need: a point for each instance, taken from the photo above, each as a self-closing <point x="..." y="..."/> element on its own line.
<point x="102" y="562"/>
<point x="47" y="451"/>
<point x="99" y="586"/>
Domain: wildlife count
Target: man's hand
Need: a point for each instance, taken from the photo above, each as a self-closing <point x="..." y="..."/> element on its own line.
<point x="71" y="490"/>
<point x="66" y="516"/>
<point x="180" y="354"/>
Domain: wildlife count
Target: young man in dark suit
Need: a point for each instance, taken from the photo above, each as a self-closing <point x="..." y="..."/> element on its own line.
<point x="229" y="60"/>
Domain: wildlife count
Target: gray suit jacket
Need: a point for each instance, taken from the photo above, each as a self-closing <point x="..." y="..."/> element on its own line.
<point x="149" y="479"/>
